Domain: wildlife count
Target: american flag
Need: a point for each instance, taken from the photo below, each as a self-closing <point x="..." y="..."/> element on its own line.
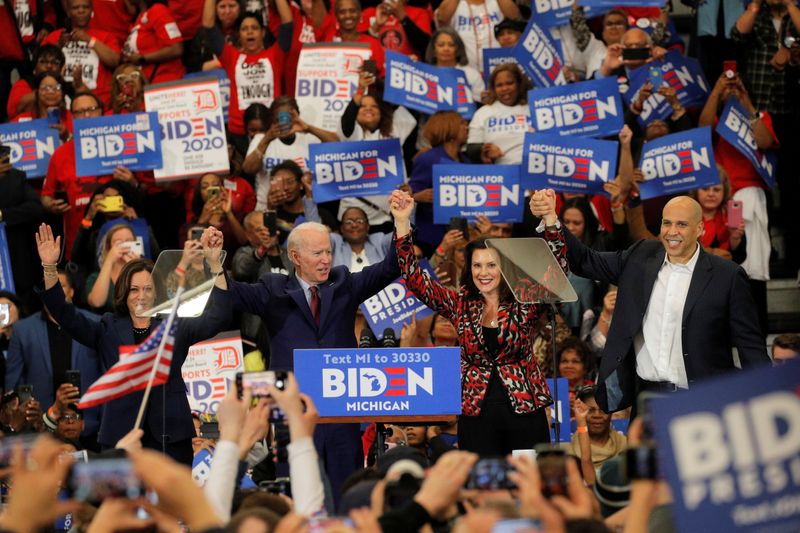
<point x="132" y="371"/>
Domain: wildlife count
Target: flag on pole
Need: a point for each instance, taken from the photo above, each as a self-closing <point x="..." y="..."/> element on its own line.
<point x="132" y="371"/>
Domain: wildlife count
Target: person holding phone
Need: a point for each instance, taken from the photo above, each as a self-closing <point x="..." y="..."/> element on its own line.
<point x="446" y="49"/>
<point x="116" y="251"/>
<point x="50" y="103"/>
<point x="399" y="27"/>
<point x="127" y="89"/>
<point x="633" y="51"/>
<point x="212" y="205"/>
<point x="722" y="235"/>
<point x="504" y="394"/>
<point x="171" y="430"/>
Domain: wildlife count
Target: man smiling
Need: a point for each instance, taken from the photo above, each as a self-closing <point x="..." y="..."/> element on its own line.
<point x="679" y="310"/>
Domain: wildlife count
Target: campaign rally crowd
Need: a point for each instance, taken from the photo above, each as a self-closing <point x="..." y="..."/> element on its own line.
<point x="658" y="168"/>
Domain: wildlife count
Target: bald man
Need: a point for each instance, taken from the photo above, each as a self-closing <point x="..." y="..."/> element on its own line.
<point x="679" y="311"/>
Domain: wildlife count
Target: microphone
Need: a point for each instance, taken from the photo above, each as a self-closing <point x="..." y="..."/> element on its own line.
<point x="367" y="339"/>
<point x="389" y="339"/>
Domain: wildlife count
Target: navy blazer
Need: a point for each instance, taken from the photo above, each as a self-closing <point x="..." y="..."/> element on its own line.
<point x="29" y="362"/>
<point x="114" y="331"/>
<point x="281" y="303"/>
<point x="719" y="313"/>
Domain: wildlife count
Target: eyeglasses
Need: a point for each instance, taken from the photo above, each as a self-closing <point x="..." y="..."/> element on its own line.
<point x="354" y="221"/>
<point x="71" y="418"/>
<point x="50" y="88"/>
<point x="125" y="78"/>
<point x="85" y="111"/>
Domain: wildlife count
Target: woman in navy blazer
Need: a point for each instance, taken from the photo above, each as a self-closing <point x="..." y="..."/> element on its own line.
<point x="171" y="428"/>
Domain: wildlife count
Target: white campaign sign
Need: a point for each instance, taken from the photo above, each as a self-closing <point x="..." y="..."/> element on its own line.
<point x="327" y="77"/>
<point x="210" y="370"/>
<point x="192" y="127"/>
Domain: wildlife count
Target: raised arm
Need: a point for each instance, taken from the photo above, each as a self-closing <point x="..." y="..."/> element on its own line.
<point x="215" y="38"/>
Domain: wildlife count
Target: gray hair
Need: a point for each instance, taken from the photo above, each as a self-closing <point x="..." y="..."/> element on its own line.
<point x="296" y="236"/>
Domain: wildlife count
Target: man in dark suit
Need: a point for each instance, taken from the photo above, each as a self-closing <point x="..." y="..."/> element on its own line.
<point x="679" y="310"/>
<point x="315" y="308"/>
<point x="41" y="352"/>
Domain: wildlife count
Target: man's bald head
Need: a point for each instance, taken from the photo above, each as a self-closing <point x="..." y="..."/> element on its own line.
<point x="681" y="225"/>
<point x="689" y="203"/>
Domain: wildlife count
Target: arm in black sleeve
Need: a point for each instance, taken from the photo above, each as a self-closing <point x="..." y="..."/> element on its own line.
<point x="214" y="39"/>
<point x="438" y="447"/>
<point x="417" y="37"/>
<point x="349" y="118"/>
<point x="285" y="34"/>
<point x="740" y="253"/>
<point x="26" y="211"/>
<point x="682" y="123"/>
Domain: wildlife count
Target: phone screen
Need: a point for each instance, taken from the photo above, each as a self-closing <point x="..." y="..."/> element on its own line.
<point x="258" y="382"/>
<point x="99" y="479"/>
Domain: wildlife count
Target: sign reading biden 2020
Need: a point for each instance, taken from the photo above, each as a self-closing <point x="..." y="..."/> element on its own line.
<point x="103" y="143"/>
<point x="362" y="382"/>
<point x="539" y="58"/>
<point x="360" y="168"/>
<point x="569" y="164"/>
<point x="471" y="190"/>
<point x="585" y="109"/>
<point x="32" y="143"/>
<point x="395" y="304"/>
<point x="730" y="450"/>
<point x="678" y="162"/>
<point x="734" y="126"/>
<point x="417" y="86"/>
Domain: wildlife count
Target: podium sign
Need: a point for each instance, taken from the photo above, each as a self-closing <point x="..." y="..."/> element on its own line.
<point x="381" y="382"/>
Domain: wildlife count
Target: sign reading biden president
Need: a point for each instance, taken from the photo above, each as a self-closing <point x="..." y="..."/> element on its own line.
<point x="32" y="143"/>
<point x="395" y="304"/>
<point x="678" y="162"/>
<point x="585" y="109"/>
<point x="730" y="450"/>
<point x="360" y="382"/>
<point x="103" y="143"/>
<point x="734" y="126"/>
<point x="539" y="58"/>
<point x="417" y="86"/>
<point x="471" y="190"/>
<point x="359" y="168"/>
<point x="568" y="164"/>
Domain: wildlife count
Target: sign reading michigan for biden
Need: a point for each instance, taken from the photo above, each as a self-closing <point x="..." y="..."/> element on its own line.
<point x="103" y="143"/>
<point x="568" y="164"/>
<point x="586" y="109"/>
<point x="539" y="58"/>
<point x="417" y="86"/>
<point x="32" y="143"/>
<point x="471" y="190"/>
<point x="678" y="162"/>
<point x="360" y="168"/>
<point x="730" y="450"/>
<point x="734" y="126"/>
<point x="362" y="382"/>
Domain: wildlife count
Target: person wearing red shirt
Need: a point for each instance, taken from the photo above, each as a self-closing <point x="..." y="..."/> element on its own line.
<point x="61" y="177"/>
<point x="400" y="28"/>
<point x="113" y="16"/>
<point x="46" y="58"/>
<point x="35" y="19"/>
<point x="188" y="15"/>
<point x="303" y="33"/>
<point x="95" y="52"/>
<point x="49" y="90"/>
<point x="155" y="42"/>
<point x="254" y="72"/>
<point x="343" y="27"/>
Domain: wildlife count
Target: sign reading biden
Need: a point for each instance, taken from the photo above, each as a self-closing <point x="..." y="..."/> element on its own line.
<point x="360" y="168"/>
<point x="360" y="382"/>
<point x="471" y="190"/>
<point x="493" y="58"/>
<point x="539" y="58"/>
<point x="730" y="450"/>
<point x="103" y="143"/>
<point x="734" y="126"/>
<point x="210" y="369"/>
<point x="678" y="162"/>
<point x="550" y="13"/>
<point x="418" y="86"/>
<point x="32" y="143"/>
<point x="568" y="164"/>
<point x="586" y="109"/>
<point x="395" y="305"/>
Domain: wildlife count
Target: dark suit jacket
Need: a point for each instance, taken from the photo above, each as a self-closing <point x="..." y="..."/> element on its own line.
<point x="719" y="313"/>
<point x="281" y="303"/>
<point x="114" y="331"/>
<point x="29" y="362"/>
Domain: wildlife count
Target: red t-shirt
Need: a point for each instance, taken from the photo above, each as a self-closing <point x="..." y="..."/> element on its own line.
<point x="392" y="35"/>
<point x="61" y="177"/>
<point x="189" y="16"/>
<point x="111" y="16"/>
<point x="153" y="30"/>
<point x="18" y="90"/>
<point x="715" y="232"/>
<point x="253" y="78"/>
<point x="10" y="45"/>
<point x="96" y="75"/>
<point x="740" y="170"/>
<point x="329" y="32"/>
<point x="303" y="33"/>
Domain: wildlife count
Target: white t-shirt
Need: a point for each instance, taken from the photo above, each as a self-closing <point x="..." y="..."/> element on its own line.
<point x="504" y="126"/>
<point x="277" y="152"/>
<point x="475" y="25"/>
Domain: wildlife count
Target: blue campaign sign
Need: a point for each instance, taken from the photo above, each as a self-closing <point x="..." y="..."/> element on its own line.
<point x="734" y="126"/>
<point x="359" y="382"/>
<point x="560" y="408"/>
<point x="6" y="275"/>
<point x="539" y="58"/>
<point x="586" y="109"/>
<point x="32" y="143"/>
<point x="224" y="85"/>
<point x="730" y="450"/>
<point x="103" y="143"/>
<point x="471" y="190"/>
<point x="394" y="305"/>
<point x="415" y="85"/>
<point x="569" y="164"/>
<point x="465" y="105"/>
<point x="358" y="168"/>
<point x="678" y="162"/>
<point x="602" y="5"/>
<point x="494" y="57"/>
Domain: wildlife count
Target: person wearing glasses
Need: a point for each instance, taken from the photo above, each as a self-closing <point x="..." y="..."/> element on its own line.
<point x="127" y="90"/>
<point x="46" y="58"/>
<point x="48" y="102"/>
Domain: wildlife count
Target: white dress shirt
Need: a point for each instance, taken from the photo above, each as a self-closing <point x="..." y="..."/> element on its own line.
<point x="659" y="345"/>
